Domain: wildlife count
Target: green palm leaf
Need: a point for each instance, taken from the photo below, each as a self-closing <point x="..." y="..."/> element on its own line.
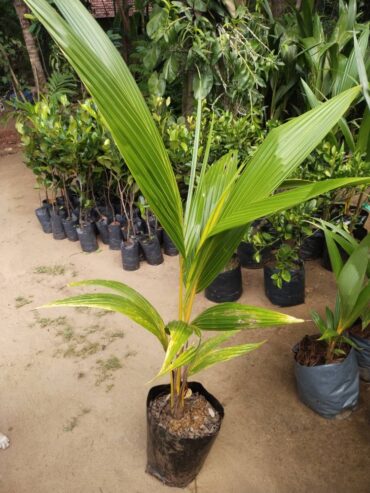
<point x="235" y="316"/>
<point x="347" y="75"/>
<point x="221" y="354"/>
<point x="352" y="276"/>
<point x="129" y="303"/>
<point x="114" y="90"/>
<point x="284" y="149"/>
<point x="247" y="212"/>
<point x="180" y="333"/>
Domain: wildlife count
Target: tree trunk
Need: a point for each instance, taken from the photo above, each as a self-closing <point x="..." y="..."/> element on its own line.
<point x="36" y="65"/>
<point x="278" y="7"/>
<point x="123" y="8"/>
<point x="187" y="94"/>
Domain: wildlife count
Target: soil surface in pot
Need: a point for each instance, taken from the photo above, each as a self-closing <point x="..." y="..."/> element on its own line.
<point x="312" y="352"/>
<point x="200" y="419"/>
<point x="357" y="331"/>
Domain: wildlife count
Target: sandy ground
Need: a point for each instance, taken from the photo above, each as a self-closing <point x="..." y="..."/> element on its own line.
<point x="73" y="389"/>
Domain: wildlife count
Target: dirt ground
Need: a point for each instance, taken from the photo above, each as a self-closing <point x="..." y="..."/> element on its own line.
<point x="73" y="383"/>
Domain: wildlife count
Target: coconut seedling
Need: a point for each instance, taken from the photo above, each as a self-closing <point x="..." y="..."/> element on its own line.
<point x="326" y="362"/>
<point x="206" y="231"/>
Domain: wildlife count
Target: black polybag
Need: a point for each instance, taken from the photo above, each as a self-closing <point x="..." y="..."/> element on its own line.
<point x="173" y="460"/>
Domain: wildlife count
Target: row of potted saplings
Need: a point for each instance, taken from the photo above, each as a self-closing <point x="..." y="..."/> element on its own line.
<point x="282" y="263"/>
<point x="328" y="364"/>
<point x="137" y="239"/>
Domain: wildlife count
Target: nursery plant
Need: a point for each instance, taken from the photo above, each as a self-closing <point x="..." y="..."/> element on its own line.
<point x="326" y="362"/>
<point x="284" y="277"/>
<point x="359" y="331"/>
<point x="206" y="232"/>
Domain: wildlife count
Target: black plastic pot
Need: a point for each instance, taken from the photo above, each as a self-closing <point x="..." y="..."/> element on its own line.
<point x="121" y="219"/>
<point x="159" y="234"/>
<point x="246" y="253"/>
<point x="169" y="247"/>
<point x="60" y="202"/>
<point x="177" y="461"/>
<point x="87" y="237"/>
<point x="362" y="355"/>
<point x="359" y="233"/>
<point x="130" y="255"/>
<point x="325" y="261"/>
<point x="152" y="250"/>
<point x="115" y="236"/>
<point x="312" y="246"/>
<point x="227" y="286"/>
<point x="69" y="226"/>
<point x="329" y="389"/>
<point x="102" y="225"/>
<point x="291" y="293"/>
<point x="57" y="226"/>
<point x="43" y="215"/>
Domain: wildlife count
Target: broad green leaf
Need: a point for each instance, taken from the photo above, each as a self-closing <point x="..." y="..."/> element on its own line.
<point x="212" y="257"/>
<point x="360" y="310"/>
<point x="314" y="102"/>
<point x="318" y="321"/>
<point x="363" y="140"/>
<point x="194" y="160"/>
<point x="348" y="77"/>
<point x="284" y="149"/>
<point x="352" y="276"/>
<point x="235" y="316"/>
<point x="131" y="295"/>
<point x="127" y="304"/>
<point x="223" y="354"/>
<point x="121" y="104"/>
<point x="361" y="70"/>
<point x="212" y="187"/>
<point x="249" y="211"/>
<point x="179" y="334"/>
<point x="334" y="254"/>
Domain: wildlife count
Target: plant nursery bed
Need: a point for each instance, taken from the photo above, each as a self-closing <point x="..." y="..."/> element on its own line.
<point x="73" y="383"/>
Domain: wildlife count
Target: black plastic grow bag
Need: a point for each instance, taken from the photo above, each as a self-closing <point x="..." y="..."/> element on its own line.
<point x="57" y="226"/>
<point x="152" y="250"/>
<point x="70" y="228"/>
<point x="312" y="246"/>
<point x="227" y="286"/>
<point x="291" y="293"/>
<point x="102" y="226"/>
<point x="246" y="252"/>
<point x="87" y="237"/>
<point x="43" y="215"/>
<point x="115" y="236"/>
<point x="177" y="461"/>
<point x="130" y="255"/>
<point x="169" y="247"/>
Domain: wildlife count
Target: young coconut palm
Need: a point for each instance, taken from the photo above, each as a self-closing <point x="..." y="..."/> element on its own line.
<point x="227" y="197"/>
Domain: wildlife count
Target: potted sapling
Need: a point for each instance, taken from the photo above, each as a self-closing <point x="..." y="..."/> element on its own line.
<point x="359" y="332"/>
<point x="206" y="231"/>
<point x="325" y="363"/>
<point x="130" y="247"/>
<point x="284" y="277"/>
<point x="255" y="248"/>
<point x="149" y="242"/>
